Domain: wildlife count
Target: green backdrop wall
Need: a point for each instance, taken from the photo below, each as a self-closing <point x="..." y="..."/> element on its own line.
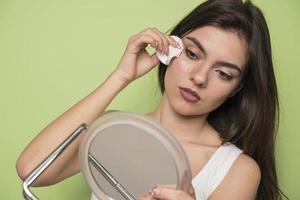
<point x="53" y="53"/>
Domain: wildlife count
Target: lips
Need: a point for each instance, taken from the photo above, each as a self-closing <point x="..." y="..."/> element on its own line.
<point x="189" y="95"/>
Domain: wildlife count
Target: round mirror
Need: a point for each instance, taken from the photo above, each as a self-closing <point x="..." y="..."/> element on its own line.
<point x="125" y="154"/>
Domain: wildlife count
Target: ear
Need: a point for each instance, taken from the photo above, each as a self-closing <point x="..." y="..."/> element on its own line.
<point x="236" y="90"/>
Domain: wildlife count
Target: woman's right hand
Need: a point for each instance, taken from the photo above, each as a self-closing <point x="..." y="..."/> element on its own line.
<point x="136" y="61"/>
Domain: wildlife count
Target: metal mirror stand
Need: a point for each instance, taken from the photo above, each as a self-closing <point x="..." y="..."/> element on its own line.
<point x="51" y="158"/>
<point x="48" y="161"/>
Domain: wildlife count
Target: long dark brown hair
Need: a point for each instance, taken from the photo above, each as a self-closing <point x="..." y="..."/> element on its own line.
<point x="250" y="118"/>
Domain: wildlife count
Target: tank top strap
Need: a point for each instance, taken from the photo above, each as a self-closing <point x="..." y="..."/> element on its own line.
<point x="215" y="170"/>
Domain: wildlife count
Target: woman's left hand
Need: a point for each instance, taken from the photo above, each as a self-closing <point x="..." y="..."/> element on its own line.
<point x="166" y="192"/>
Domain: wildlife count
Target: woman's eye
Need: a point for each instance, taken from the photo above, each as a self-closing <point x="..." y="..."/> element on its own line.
<point x="224" y="75"/>
<point x="190" y="54"/>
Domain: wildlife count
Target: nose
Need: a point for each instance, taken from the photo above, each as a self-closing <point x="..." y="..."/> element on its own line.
<point x="199" y="76"/>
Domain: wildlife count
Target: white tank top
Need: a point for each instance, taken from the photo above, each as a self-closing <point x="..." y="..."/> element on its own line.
<point x="213" y="172"/>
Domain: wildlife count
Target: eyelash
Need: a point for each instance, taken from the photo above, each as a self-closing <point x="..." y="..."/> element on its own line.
<point x="188" y="52"/>
<point x="222" y="74"/>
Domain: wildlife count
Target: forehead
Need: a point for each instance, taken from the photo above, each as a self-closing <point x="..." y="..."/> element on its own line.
<point x="220" y="44"/>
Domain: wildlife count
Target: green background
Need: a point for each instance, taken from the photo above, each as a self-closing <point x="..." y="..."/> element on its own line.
<point x="53" y="53"/>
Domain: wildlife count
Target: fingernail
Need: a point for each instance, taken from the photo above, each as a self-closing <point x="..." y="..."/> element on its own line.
<point x="155" y="192"/>
<point x="175" y="45"/>
<point x="151" y="192"/>
<point x="178" y="46"/>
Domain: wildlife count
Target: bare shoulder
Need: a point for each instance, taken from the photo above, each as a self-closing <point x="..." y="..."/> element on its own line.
<point x="245" y="163"/>
<point x="244" y="176"/>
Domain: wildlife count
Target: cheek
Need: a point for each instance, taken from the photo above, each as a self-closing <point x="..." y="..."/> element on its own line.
<point x="184" y="66"/>
<point x="218" y="93"/>
<point x="180" y="65"/>
<point x="183" y="63"/>
<point x="177" y="73"/>
<point x="214" y="99"/>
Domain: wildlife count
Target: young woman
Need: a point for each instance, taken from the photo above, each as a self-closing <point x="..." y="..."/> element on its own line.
<point x="219" y="97"/>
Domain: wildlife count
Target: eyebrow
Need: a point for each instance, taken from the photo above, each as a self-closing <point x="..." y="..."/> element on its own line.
<point x="198" y="44"/>
<point x="230" y="65"/>
<point x="226" y="64"/>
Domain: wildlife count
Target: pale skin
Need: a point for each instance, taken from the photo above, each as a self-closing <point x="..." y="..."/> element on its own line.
<point x="199" y="70"/>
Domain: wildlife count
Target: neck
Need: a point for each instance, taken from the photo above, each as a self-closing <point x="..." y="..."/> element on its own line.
<point x="189" y="128"/>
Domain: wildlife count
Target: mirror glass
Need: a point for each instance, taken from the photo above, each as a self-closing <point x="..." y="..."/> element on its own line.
<point x="136" y="151"/>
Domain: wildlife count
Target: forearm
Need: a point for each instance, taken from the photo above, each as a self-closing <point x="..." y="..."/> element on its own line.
<point x="85" y="111"/>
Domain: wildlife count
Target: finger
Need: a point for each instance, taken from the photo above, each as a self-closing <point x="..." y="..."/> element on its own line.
<point x="164" y="193"/>
<point x="139" y="33"/>
<point x="159" y="38"/>
<point x="142" y="40"/>
<point x="169" y="40"/>
<point x="158" y="43"/>
<point x="164" y="39"/>
<point x="173" y="42"/>
<point x="143" y="197"/>
<point x="154" y="59"/>
<point x="169" y="186"/>
<point x="170" y="194"/>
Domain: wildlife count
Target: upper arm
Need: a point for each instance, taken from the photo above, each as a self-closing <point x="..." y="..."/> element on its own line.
<point x="240" y="182"/>
<point x="73" y="166"/>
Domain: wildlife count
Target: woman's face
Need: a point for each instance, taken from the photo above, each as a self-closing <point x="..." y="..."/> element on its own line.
<point x="211" y="64"/>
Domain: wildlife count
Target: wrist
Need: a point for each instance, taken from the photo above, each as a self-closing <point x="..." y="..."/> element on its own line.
<point x="121" y="77"/>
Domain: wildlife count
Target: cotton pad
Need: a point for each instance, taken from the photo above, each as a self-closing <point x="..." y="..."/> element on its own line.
<point x="173" y="52"/>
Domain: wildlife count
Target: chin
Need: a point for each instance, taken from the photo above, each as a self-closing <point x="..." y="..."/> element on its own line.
<point x="186" y="110"/>
<point x="182" y="108"/>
